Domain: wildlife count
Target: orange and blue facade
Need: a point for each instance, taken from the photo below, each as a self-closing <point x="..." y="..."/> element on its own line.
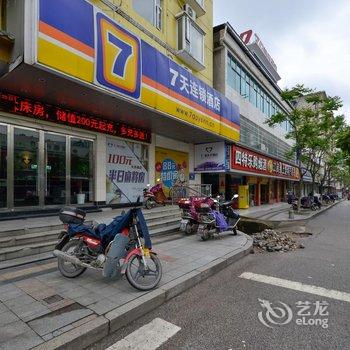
<point x="79" y="40"/>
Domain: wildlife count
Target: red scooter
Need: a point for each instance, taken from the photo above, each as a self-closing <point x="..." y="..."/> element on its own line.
<point x="153" y="196"/>
<point x="189" y="216"/>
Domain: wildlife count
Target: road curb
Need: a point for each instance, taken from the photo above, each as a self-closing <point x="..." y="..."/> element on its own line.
<point x="81" y="337"/>
<point x="315" y="214"/>
<point x="286" y="223"/>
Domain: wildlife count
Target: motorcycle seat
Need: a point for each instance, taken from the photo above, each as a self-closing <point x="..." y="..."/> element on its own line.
<point x="99" y="228"/>
<point x="226" y="204"/>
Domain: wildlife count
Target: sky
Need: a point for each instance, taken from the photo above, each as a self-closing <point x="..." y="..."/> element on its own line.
<point x="309" y="40"/>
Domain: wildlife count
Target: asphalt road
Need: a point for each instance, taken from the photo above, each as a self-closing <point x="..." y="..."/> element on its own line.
<point x="222" y="312"/>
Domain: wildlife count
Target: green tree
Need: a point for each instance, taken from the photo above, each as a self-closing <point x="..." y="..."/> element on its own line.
<point x="312" y="124"/>
<point x="343" y="142"/>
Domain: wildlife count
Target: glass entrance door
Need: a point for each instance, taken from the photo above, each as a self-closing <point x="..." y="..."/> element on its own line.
<point x="26" y="168"/>
<point x="55" y="169"/>
<point x="3" y="166"/>
<point x="41" y="168"/>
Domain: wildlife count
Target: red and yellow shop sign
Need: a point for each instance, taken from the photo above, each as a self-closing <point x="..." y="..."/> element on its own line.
<point x="248" y="161"/>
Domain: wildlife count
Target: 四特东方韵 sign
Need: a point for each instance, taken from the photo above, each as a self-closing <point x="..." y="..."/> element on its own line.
<point x="245" y="160"/>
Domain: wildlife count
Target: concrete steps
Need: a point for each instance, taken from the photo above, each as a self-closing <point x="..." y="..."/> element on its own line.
<point x="28" y="238"/>
<point x="31" y="241"/>
<point x="26" y="249"/>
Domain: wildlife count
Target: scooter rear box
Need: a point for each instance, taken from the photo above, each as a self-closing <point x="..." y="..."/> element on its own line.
<point x="72" y="215"/>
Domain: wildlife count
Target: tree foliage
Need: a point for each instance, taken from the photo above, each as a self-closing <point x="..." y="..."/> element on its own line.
<point x="316" y="130"/>
<point x="344" y="142"/>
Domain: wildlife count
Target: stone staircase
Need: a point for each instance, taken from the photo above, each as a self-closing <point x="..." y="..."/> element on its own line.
<point x="21" y="245"/>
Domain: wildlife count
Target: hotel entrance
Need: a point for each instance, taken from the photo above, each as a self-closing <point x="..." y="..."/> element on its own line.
<point x="40" y="168"/>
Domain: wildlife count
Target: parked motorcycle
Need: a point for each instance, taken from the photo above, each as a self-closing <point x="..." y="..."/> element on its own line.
<point x="153" y="196"/>
<point x="333" y="197"/>
<point x="215" y="217"/>
<point x="122" y="247"/>
<point x="189" y="215"/>
<point x="309" y="202"/>
<point x="326" y="198"/>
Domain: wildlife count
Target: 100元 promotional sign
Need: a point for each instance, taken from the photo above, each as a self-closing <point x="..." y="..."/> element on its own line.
<point x="125" y="174"/>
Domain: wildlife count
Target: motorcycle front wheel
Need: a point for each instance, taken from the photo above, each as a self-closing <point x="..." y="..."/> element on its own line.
<point x="66" y="268"/>
<point x="189" y="228"/>
<point x="149" y="203"/>
<point x="204" y="234"/>
<point x="143" y="278"/>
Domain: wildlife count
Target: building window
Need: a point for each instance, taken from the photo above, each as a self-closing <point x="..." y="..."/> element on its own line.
<point x="191" y="42"/>
<point x="200" y="3"/>
<point x="241" y="81"/>
<point x="193" y="39"/>
<point x="151" y="10"/>
<point x="254" y="136"/>
<point x="26" y="167"/>
<point x="55" y="169"/>
<point x="81" y="171"/>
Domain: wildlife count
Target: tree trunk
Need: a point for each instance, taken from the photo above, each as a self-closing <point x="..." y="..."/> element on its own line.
<point x="313" y="183"/>
<point x="299" y="187"/>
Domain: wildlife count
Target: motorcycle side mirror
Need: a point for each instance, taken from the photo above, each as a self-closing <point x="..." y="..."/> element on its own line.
<point x="235" y="196"/>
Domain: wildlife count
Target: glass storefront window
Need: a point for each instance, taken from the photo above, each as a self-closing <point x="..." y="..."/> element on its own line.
<point x="3" y="166"/>
<point x="81" y="171"/>
<point x="55" y="169"/>
<point x="26" y="157"/>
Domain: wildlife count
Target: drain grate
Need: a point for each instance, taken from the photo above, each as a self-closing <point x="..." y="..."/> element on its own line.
<point x="53" y="299"/>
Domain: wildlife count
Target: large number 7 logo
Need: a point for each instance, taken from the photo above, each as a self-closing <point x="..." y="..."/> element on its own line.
<point x="118" y="64"/>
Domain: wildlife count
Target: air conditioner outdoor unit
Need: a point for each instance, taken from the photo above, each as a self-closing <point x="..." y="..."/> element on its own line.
<point x="189" y="10"/>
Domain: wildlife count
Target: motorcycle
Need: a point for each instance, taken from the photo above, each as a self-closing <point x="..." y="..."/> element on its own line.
<point x="326" y="198"/>
<point x="333" y="197"/>
<point x="153" y="196"/>
<point x="215" y="217"/>
<point x="309" y="202"/>
<point x="189" y="215"/>
<point x="122" y="247"/>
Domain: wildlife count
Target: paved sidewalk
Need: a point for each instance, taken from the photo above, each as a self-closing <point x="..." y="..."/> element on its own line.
<point x="304" y="215"/>
<point x="264" y="210"/>
<point x="52" y="312"/>
<point x="279" y="212"/>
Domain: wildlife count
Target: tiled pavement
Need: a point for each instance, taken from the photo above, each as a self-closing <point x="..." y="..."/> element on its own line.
<point x="39" y="309"/>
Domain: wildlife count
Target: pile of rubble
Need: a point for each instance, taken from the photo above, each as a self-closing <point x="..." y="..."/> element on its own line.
<point x="274" y="241"/>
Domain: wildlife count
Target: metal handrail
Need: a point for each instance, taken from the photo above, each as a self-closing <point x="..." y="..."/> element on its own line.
<point x="185" y="191"/>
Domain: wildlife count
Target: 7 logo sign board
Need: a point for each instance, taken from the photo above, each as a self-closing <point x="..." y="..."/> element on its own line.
<point x="118" y="58"/>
